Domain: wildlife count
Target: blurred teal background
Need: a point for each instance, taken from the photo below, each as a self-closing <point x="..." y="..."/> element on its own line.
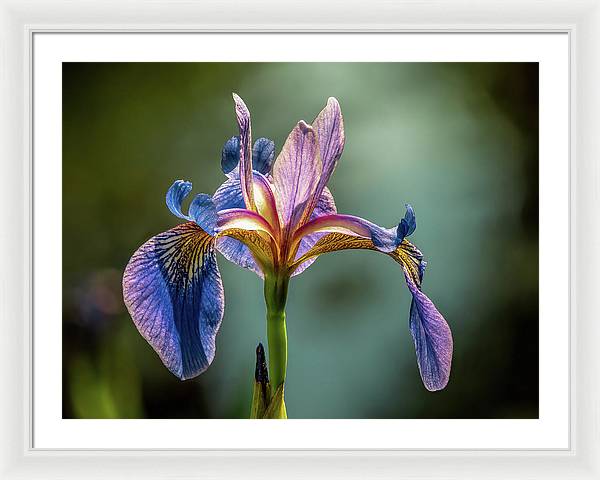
<point x="457" y="141"/>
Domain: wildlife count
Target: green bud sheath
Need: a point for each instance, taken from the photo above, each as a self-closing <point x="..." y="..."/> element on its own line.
<point x="263" y="405"/>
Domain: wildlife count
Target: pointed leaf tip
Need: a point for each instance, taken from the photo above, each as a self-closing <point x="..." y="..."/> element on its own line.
<point x="261" y="374"/>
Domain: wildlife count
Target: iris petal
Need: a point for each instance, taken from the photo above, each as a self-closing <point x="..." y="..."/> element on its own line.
<point x="263" y="154"/>
<point x="385" y="239"/>
<point x="253" y="230"/>
<point x="204" y="213"/>
<point x="173" y="291"/>
<point x="245" y="165"/>
<point x="230" y="155"/>
<point x="430" y="331"/>
<point x="245" y="220"/>
<point x="432" y="338"/>
<point x="296" y="173"/>
<point x="407" y="225"/>
<point x="175" y="195"/>
<point x="329" y="125"/>
<point x="325" y="206"/>
<point x="229" y="195"/>
<point x="228" y="200"/>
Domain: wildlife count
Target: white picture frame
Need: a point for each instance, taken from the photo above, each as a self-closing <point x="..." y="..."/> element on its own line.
<point x="18" y="24"/>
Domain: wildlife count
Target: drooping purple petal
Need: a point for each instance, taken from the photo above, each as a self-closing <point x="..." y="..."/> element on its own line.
<point x="385" y="239"/>
<point x="173" y="291"/>
<point x="431" y="333"/>
<point x="325" y="206"/>
<point x="432" y="338"/>
<point x="245" y="165"/>
<point x="296" y="173"/>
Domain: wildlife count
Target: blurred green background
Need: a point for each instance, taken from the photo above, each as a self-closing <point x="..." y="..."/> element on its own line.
<point x="457" y="141"/>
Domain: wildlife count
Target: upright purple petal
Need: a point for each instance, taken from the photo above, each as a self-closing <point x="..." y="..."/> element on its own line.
<point x="245" y="165"/>
<point x="173" y="291"/>
<point x="329" y="125"/>
<point x="432" y="338"/>
<point x="296" y="174"/>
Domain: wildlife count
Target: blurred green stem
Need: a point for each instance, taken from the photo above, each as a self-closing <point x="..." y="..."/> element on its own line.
<point x="276" y="287"/>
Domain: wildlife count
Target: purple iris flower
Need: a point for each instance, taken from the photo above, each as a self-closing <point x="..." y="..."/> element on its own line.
<point x="274" y="217"/>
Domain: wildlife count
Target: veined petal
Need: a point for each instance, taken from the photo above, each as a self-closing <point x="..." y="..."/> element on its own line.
<point x="329" y="125"/>
<point x="430" y="331"/>
<point x="175" y="196"/>
<point x="202" y="209"/>
<point x="204" y="213"/>
<point x="432" y="338"/>
<point x="245" y="220"/>
<point x="265" y="200"/>
<point x="296" y="173"/>
<point x="325" y="206"/>
<point x="385" y="239"/>
<point x="227" y="196"/>
<point x="230" y="155"/>
<point x="238" y="253"/>
<point x="253" y="230"/>
<point x="260" y="248"/>
<point x="245" y="165"/>
<point x="173" y="291"/>
<point x="263" y="154"/>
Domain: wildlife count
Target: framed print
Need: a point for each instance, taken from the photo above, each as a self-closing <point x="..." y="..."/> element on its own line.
<point x="225" y="270"/>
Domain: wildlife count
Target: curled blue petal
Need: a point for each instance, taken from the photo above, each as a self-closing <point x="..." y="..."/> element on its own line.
<point x="407" y="225"/>
<point x="230" y="155"/>
<point x="385" y="239"/>
<point x="175" y="195"/>
<point x="173" y="291"/>
<point x="204" y="213"/>
<point x="263" y="154"/>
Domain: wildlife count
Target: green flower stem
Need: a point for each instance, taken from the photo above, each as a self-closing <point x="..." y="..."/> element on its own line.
<point x="275" y="297"/>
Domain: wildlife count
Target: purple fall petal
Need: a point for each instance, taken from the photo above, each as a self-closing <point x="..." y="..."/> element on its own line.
<point x="173" y="291"/>
<point x="432" y="338"/>
<point x="385" y="239"/>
